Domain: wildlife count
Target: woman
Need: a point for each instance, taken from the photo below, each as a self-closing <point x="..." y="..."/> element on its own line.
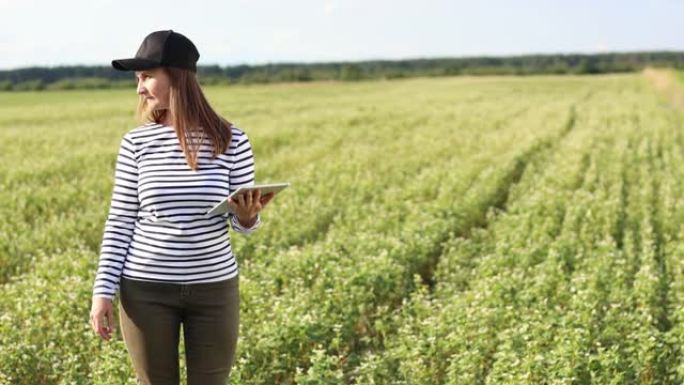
<point x="171" y="260"/>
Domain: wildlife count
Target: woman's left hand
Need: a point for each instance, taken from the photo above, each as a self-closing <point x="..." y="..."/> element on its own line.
<point x="246" y="206"/>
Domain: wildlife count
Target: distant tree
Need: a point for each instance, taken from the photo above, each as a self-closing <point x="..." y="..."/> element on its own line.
<point x="77" y="77"/>
<point x="30" y="85"/>
<point x="588" y="65"/>
<point x="350" y="72"/>
<point x="5" y="85"/>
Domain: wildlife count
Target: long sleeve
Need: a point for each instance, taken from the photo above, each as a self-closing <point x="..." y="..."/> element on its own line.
<point x="120" y="223"/>
<point x="242" y="174"/>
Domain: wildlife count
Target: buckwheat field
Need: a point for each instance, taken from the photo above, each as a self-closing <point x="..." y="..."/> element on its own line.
<point x="447" y="230"/>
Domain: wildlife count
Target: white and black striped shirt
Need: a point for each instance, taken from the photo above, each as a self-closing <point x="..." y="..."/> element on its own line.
<point x="157" y="228"/>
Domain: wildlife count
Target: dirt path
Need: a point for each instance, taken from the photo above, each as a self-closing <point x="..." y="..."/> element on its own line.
<point x="665" y="82"/>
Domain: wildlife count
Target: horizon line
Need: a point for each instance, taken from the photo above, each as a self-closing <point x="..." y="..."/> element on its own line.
<point x="409" y="58"/>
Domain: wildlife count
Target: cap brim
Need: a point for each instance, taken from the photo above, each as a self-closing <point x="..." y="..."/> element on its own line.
<point x="134" y="64"/>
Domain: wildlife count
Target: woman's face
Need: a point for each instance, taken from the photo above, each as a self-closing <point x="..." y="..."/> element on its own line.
<point x="153" y="84"/>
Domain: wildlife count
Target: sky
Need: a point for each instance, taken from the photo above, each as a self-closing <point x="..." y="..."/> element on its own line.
<point x="232" y="32"/>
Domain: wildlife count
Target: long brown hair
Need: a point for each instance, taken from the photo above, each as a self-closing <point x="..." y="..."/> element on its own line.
<point x="191" y="116"/>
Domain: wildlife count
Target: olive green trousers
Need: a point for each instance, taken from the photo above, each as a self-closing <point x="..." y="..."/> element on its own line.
<point x="150" y="315"/>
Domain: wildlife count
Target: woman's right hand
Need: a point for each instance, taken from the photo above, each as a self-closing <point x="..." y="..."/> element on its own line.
<point x="101" y="311"/>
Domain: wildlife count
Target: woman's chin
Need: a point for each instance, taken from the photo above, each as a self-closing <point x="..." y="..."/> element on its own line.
<point x="152" y="108"/>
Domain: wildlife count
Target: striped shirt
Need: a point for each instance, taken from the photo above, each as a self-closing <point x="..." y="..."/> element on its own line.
<point x="157" y="228"/>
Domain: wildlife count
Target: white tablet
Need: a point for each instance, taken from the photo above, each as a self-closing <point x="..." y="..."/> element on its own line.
<point x="223" y="207"/>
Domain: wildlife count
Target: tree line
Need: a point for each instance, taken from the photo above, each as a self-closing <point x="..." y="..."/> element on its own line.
<point x="102" y="77"/>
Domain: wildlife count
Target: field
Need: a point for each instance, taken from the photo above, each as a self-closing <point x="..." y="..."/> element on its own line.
<point x="463" y="230"/>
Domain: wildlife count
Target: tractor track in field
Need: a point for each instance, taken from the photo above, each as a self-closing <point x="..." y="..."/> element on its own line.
<point x="498" y="198"/>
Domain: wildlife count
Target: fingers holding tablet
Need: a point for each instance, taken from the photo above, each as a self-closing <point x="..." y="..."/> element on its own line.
<point x="251" y="197"/>
<point x="266" y="198"/>
<point x="247" y="196"/>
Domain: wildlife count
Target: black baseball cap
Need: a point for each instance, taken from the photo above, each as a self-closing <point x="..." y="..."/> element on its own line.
<point x="162" y="48"/>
